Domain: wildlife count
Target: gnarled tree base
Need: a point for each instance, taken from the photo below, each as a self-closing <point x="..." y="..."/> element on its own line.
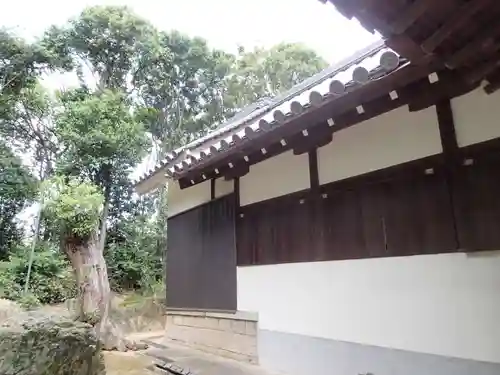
<point x="113" y="338"/>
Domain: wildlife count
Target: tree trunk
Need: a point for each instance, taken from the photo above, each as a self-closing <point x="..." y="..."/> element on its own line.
<point x="94" y="293"/>
<point x="91" y="277"/>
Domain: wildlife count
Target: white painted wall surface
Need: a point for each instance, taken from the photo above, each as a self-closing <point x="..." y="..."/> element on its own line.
<point x="476" y="116"/>
<point x="393" y="138"/>
<point x="446" y="304"/>
<point x="280" y="175"/>
<point x="180" y="200"/>
<point x="223" y="187"/>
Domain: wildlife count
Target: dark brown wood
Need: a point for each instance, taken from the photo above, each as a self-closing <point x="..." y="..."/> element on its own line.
<point x="313" y="170"/>
<point x="201" y="267"/>
<point x="482" y="70"/>
<point x="339" y="222"/>
<point x="321" y="136"/>
<point x="448" y="87"/>
<point x="237" y="192"/>
<point x="239" y="170"/>
<point x="212" y="188"/>
<point x="404" y="210"/>
<point x="408" y="215"/>
<point x="477" y="207"/>
<point x="447" y="131"/>
<point x="493" y="82"/>
<point x="483" y="41"/>
<point x="407" y="47"/>
<point x="408" y="15"/>
<point x="278" y="230"/>
<point x="458" y="20"/>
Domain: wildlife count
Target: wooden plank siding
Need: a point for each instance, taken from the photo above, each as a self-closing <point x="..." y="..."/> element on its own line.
<point x="201" y="257"/>
<point x="410" y="209"/>
<point x="476" y="184"/>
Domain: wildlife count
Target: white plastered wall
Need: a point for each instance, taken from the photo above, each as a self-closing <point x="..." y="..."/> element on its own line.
<point x="223" y="187"/>
<point x="180" y="200"/>
<point x="280" y="175"/>
<point x="393" y="138"/>
<point x="446" y="304"/>
<point x="476" y="116"/>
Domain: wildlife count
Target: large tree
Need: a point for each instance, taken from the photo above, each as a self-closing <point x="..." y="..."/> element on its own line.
<point x="102" y="141"/>
<point x="181" y="89"/>
<point x="17" y="189"/>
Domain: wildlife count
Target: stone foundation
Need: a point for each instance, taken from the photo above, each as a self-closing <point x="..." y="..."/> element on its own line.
<point x="232" y="335"/>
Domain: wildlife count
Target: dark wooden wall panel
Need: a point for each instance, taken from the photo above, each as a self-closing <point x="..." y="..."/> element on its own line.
<point x="201" y="257"/>
<point x="409" y="214"/>
<point x="340" y="225"/>
<point x="404" y="212"/>
<point x="476" y="190"/>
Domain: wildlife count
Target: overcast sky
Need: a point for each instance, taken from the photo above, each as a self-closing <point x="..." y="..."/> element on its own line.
<point x="224" y="23"/>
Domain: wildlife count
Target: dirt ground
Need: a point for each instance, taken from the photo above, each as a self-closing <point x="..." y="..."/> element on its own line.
<point x="128" y="363"/>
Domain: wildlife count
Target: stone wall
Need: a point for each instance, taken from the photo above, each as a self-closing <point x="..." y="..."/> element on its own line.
<point x="232" y="335"/>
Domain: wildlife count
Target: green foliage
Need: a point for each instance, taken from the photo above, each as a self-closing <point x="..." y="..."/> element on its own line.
<point x="20" y="63"/>
<point x="51" y="278"/>
<point x="107" y="40"/>
<point x="132" y="255"/>
<point x="17" y="189"/>
<point x="99" y="133"/>
<point x="269" y="72"/>
<point x="29" y="301"/>
<point x="72" y="206"/>
<point x="180" y="88"/>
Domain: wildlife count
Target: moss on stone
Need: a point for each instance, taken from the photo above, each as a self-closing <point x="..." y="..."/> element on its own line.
<point x="34" y="343"/>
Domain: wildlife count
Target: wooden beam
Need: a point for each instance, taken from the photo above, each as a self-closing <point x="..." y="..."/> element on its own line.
<point x="447" y="132"/>
<point x="321" y="136"/>
<point x="406" y="47"/>
<point x="449" y="87"/>
<point x="482" y="70"/>
<point x="459" y="18"/>
<point x="408" y="15"/>
<point x="237" y="192"/>
<point x="484" y="41"/>
<point x="212" y="188"/>
<point x="238" y="170"/>
<point x="313" y="170"/>
<point x="493" y="82"/>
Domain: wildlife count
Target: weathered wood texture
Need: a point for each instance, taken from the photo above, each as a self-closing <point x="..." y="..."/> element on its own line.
<point x="455" y="32"/>
<point x="410" y="209"/>
<point x="201" y="257"/>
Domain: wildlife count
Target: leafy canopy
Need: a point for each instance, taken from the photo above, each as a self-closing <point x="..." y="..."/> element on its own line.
<point x="17" y="190"/>
<point x="104" y="42"/>
<point x="99" y="134"/>
<point x="72" y="206"/>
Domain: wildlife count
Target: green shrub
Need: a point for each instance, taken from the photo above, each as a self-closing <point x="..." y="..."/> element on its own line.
<point x="132" y="255"/>
<point x="51" y="279"/>
<point x="28" y="301"/>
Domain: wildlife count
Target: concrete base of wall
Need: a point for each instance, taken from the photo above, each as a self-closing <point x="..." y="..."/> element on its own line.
<point x="225" y="334"/>
<point x="298" y="355"/>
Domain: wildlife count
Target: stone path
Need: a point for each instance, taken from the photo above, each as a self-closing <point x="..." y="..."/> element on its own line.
<point x="195" y="361"/>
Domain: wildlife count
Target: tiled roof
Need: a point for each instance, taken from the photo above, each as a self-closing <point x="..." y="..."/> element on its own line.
<point x="336" y="80"/>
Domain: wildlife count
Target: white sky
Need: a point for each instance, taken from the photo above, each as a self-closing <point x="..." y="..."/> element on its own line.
<point x="225" y="24"/>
